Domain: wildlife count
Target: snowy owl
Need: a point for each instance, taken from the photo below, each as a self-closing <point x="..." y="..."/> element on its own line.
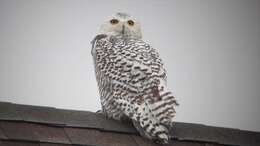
<point x="132" y="79"/>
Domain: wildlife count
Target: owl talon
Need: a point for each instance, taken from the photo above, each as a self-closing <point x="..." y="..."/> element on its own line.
<point x="99" y="112"/>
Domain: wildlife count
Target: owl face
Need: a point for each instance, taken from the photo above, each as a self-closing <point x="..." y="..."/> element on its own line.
<point x="122" y="24"/>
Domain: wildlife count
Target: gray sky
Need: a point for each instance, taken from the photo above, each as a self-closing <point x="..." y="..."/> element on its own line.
<point x="211" y="50"/>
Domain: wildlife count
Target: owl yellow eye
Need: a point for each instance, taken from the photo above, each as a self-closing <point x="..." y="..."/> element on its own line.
<point x="114" y="21"/>
<point x="131" y="22"/>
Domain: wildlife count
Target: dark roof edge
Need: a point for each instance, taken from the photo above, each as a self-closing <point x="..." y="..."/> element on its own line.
<point x="85" y="119"/>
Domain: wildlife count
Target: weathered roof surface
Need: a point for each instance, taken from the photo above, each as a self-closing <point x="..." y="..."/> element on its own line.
<point x="26" y="125"/>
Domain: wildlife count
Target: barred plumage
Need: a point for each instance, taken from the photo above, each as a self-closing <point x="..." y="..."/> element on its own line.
<point x="132" y="82"/>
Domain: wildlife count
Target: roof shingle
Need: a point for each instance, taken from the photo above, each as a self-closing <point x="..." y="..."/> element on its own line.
<point x="40" y="114"/>
<point x="18" y="130"/>
<point x="44" y="126"/>
<point x="83" y="136"/>
<point x="18" y="143"/>
<point x="2" y="135"/>
<point x="8" y="112"/>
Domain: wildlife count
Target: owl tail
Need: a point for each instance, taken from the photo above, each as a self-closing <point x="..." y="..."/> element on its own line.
<point x="156" y="114"/>
<point x="148" y="127"/>
<point x="162" y="105"/>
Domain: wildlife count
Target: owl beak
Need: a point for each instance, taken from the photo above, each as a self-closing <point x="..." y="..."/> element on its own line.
<point x="123" y="29"/>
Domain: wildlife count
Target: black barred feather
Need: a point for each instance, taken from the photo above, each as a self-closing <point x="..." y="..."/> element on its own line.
<point x="132" y="85"/>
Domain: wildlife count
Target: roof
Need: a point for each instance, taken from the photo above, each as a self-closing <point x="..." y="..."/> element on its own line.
<point x="26" y="125"/>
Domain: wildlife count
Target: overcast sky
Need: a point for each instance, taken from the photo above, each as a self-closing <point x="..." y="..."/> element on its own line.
<point x="211" y="50"/>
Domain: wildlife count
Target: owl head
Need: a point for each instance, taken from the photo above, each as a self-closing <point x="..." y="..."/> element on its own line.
<point x="122" y="24"/>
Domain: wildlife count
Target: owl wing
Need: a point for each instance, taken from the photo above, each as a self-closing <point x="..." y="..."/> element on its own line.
<point x="132" y="83"/>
